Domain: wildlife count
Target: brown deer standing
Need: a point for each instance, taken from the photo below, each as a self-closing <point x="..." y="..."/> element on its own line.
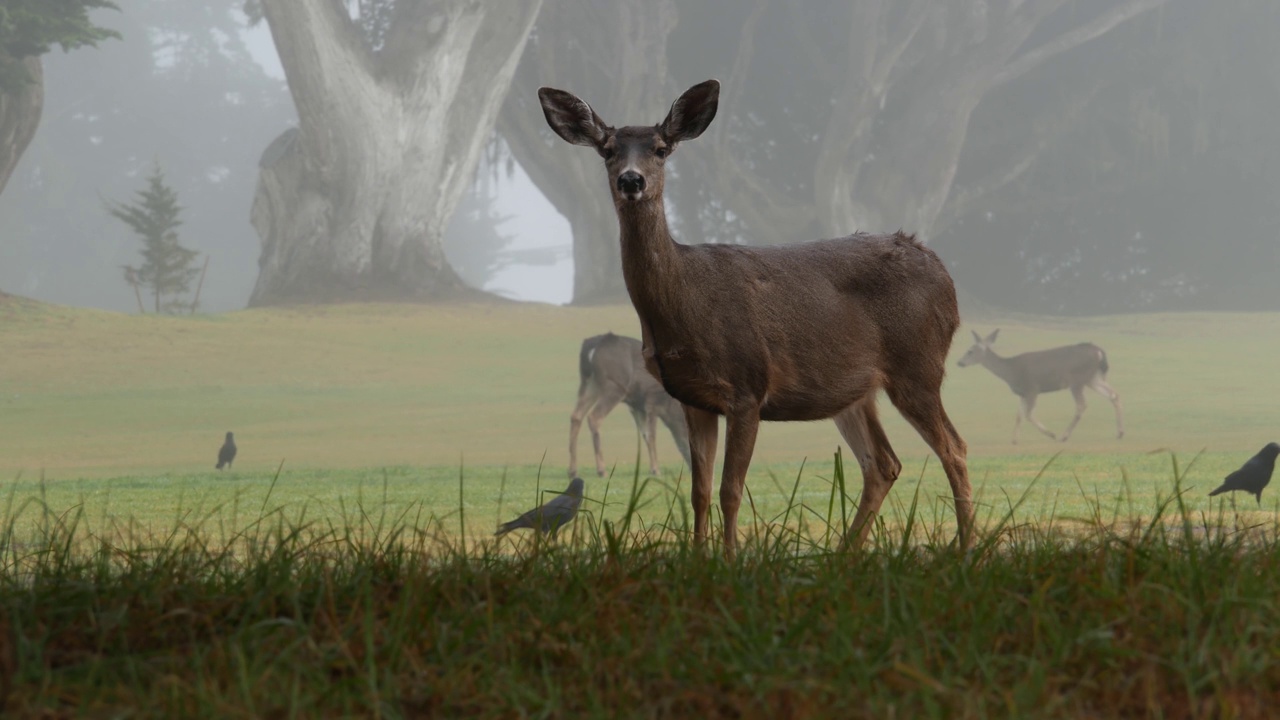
<point x="1033" y="373"/>
<point x="797" y="332"/>
<point x="611" y="370"/>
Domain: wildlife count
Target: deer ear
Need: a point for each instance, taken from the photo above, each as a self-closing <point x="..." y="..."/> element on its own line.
<point x="692" y="112"/>
<point x="573" y="119"/>
<point x="992" y="337"/>
<point x="976" y="337"/>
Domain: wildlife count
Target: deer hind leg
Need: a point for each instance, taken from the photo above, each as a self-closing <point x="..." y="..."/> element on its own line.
<point x="740" y="433"/>
<point x="1077" y="393"/>
<point x="646" y="425"/>
<point x="922" y="407"/>
<point x="610" y="396"/>
<point x="703" y="434"/>
<point x="860" y="427"/>
<point x="1028" y="405"/>
<point x="588" y="395"/>
<point x="1101" y="387"/>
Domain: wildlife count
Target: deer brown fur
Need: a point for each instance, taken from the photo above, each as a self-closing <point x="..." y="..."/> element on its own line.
<point x="796" y="332"/>
<point x="611" y="370"/>
<point x="1076" y="367"/>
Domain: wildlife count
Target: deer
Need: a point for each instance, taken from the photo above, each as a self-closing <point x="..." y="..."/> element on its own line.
<point x="611" y="370"/>
<point x="1030" y="374"/>
<point x="796" y="332"/>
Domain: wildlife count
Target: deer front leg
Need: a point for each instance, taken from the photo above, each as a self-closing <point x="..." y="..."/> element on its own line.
<point x="703" y="434"/>
<point x="1029" y="404"/>
<point x="739" y="443"/>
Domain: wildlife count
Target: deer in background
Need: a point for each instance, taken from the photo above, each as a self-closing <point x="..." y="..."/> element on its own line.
<point x="611" y="370"/>
<point x="1030" y="374"/>
<point x="792" y="332"/>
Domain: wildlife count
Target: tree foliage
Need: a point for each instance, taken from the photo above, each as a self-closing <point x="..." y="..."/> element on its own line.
<point x="30" y="28"/>
<point x="166" y="265"/>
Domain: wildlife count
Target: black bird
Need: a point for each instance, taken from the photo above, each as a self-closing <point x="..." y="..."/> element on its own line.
<point x="1254" y="474"/>
<point x="227" y="453"/>
<point x="557" y="513"/>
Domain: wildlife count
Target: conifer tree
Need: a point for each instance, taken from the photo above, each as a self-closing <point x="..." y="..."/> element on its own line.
<point x="167" y="267"/>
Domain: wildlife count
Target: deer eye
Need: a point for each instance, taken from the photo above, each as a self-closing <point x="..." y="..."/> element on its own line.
<point x="661" y="153"/>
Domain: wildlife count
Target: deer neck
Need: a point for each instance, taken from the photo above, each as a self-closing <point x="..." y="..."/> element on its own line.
<point x="650" y="260"/>
<point x="999" y="366"/>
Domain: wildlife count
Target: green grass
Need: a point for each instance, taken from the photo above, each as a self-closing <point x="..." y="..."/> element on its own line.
<point x="380" y="615"/>
<point x="122" y="415"/>
<point x="344" y="567"/>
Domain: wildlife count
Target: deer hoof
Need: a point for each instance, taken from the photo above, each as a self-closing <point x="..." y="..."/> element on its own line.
<point x="1120" y="435"/>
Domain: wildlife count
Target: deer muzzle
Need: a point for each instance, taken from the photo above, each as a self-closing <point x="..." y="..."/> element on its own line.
<point x="631" y="185"/>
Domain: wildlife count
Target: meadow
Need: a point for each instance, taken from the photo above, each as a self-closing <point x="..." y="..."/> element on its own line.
<point x="123" y="414"/>
<point x="343" y="566"/>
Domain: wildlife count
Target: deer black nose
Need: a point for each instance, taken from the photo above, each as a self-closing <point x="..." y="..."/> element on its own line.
<point x="630" y="183"/>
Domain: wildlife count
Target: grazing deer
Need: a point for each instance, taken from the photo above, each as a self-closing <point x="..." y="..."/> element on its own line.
<point x="610" y="370"/>
<point x="1033" y="373"/>
<point x="794" y="332"/>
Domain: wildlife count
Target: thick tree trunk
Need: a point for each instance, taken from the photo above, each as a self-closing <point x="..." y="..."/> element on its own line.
<point x="614" y="55"/>
<point x="19" y="118"/>
<point x="597" y="257"/>
<point x="353" y="205"/>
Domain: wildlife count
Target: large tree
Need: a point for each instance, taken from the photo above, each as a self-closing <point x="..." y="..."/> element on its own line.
<point x="29" y="29"/>
<point x="394" y="107"/>
<point x="615" y="54"/>
<point x="1160" y="195"/>
<point x="840" y="116"/>
<point x="182" y="89"/>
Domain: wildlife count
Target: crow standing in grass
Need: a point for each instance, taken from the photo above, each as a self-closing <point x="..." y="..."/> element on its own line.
<point x="227" y="453"/>
<point x="1253" y="475"/>
<point x="554" y="515"/>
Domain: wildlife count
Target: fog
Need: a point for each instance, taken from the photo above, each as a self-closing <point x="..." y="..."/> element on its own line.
<point x="1067" y="157"/>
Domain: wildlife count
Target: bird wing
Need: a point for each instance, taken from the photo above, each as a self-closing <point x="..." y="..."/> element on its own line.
<point x="1248" y="477"/>
<point x="557" y="512"/>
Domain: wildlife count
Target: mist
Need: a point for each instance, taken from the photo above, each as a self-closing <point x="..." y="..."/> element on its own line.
<point x="1070" y="158"/>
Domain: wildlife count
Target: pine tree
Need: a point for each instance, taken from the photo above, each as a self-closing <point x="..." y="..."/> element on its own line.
<point x="166" y="264"/>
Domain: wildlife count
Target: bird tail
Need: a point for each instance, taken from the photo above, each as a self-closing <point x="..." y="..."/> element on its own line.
<point x="507" y="527"/>
<point x="1219" y="491"/>
<point x="218" y="466"/>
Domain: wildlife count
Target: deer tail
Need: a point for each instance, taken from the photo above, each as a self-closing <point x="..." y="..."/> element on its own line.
<point x="1103" y="366"/>
<point x="584" y="356"/>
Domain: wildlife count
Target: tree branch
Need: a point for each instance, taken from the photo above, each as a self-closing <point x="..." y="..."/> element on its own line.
<point x="1101" y="25"/>
<point x="320" y="48"/>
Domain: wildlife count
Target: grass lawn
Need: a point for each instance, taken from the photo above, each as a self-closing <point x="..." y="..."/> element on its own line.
<point x="342" y="568"/>
<point x="123" y="415"/>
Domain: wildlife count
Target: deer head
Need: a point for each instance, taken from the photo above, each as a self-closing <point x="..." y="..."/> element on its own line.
<point x="981" y="346"/>
<point x="634" y="156"/>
